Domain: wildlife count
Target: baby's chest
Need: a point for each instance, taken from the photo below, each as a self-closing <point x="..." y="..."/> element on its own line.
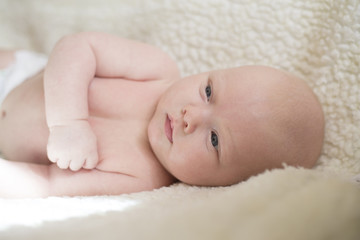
<point x="123" y="99"/>
<point x="123" y="146"/>
<point x="120" y="111"/>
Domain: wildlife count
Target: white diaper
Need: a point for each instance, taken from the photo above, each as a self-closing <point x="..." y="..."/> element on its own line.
<point x="26" y="65"/>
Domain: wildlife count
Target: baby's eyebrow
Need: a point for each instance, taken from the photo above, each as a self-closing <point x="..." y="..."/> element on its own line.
<point x="224" y="132"/>
<point x="214" y="100"/>
<point x="213" y="88"/>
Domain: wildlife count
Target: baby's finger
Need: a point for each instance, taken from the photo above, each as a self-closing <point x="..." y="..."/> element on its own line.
<point x="63" y="164"/>
<point x="51" y="156"/>
<point x="91" y="163"/>
<point x="76" y="165"/>
<point x="52" y="159"/>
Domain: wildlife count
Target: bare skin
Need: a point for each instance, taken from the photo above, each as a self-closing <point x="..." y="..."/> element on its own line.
<point x="125" y="156"/>
<point x="113" y="127"/>
<point x="6" y="57"/>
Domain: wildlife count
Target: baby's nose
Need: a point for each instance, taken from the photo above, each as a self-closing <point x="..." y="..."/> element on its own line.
<point x="194" y="116"/>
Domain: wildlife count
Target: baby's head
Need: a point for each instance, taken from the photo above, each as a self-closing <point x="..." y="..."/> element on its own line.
<point x="221" y="127"/>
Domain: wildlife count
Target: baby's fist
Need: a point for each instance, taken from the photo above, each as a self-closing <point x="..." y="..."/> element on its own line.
<point x="73" y="146"/>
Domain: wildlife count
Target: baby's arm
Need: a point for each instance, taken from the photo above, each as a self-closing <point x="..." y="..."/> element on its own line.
<point x="28" y="180"/>
<point x="73" y="64"/>
<point x="19" y="179"/>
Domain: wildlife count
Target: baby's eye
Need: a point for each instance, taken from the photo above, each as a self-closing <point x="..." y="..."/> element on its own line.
<point x="208" y="92"/>
<point x="214" y="140"/>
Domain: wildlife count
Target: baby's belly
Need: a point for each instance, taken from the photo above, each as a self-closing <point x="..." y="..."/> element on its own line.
<point x="23" y="130"/>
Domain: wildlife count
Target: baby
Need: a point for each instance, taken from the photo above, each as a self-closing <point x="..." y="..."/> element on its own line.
<point x="111" y="116"/>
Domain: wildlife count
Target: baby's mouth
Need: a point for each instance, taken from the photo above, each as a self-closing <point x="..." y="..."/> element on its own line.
<point x="169" y="128"/>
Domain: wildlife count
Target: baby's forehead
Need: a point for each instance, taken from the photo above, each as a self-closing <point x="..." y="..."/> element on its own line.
<point x="262" y="105"/>
<point x="233" y="89"/>
<point x="251" y="73"/>
<point x="243" y="106"/>
<point x="255" y="83"/>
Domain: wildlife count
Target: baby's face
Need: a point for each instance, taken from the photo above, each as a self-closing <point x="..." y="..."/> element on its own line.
<point x="216" y="128"/>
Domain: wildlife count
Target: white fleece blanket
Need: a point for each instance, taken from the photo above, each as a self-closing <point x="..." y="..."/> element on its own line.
<point x="318" y="40"/>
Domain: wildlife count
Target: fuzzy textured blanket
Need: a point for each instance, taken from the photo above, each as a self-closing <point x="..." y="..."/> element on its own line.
<point x="318" y="40"/>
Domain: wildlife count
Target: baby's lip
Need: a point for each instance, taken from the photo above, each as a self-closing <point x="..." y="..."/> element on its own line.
<point x="169" y="128"/>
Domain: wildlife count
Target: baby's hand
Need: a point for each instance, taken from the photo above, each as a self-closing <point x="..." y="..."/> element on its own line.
<point x="73" y="146"/>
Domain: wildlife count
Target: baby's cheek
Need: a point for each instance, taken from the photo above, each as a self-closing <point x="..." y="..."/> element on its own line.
<point x="195" y="159"/>
<point x="180" y="158"/>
